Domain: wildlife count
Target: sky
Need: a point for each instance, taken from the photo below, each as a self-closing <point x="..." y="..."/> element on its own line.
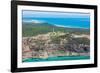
<point x="64" y="19"/>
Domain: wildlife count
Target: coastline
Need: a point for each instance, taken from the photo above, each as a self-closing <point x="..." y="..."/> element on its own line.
<point x="58" y="58"/>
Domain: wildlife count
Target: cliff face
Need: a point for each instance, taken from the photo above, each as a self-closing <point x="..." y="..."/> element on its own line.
<point x="54" y="44"/>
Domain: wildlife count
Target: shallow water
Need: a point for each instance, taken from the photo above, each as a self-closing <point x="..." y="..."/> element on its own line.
<point x="59" y="58"/>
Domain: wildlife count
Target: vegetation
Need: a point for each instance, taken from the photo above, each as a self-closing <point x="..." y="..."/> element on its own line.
<point x="82" y="40"/>
<point x="41" y="40"/>
<point x="32" y="29"/>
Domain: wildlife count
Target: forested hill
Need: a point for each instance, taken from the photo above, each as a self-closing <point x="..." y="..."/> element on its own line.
<point x="32" y="29"/>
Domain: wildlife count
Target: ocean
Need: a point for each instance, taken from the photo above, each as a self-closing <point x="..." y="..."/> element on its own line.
<point x="64" y="22"/>
<point x="59" y="58"/>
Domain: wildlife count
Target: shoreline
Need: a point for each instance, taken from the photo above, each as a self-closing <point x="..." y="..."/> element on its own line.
<point x="59" y="58"/>
<point x="71" y="27"/>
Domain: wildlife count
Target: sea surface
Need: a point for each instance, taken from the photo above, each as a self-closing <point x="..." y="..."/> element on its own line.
<point x="59" y="58"/>
<point x="64" y="22"/>
<point x="65" y="19"/>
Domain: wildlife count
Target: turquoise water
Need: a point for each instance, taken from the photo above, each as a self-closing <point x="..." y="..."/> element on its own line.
<point x="57" y="58"/>
<point x="65" y="19"/>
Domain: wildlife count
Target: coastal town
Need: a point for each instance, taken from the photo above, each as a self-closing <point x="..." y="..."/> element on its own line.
<point x="55" y="44"/>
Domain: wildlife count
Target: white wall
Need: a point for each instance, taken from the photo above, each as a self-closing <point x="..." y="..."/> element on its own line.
<point x="5" y="36"/>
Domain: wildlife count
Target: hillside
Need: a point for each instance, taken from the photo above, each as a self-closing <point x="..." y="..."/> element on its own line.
<point x="32" y="29"/>
<point x="43" y="40"/>
<point x="55" y="44"/>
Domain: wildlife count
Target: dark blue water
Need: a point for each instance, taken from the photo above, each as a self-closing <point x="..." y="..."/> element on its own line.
<point x="67" y="22"/>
